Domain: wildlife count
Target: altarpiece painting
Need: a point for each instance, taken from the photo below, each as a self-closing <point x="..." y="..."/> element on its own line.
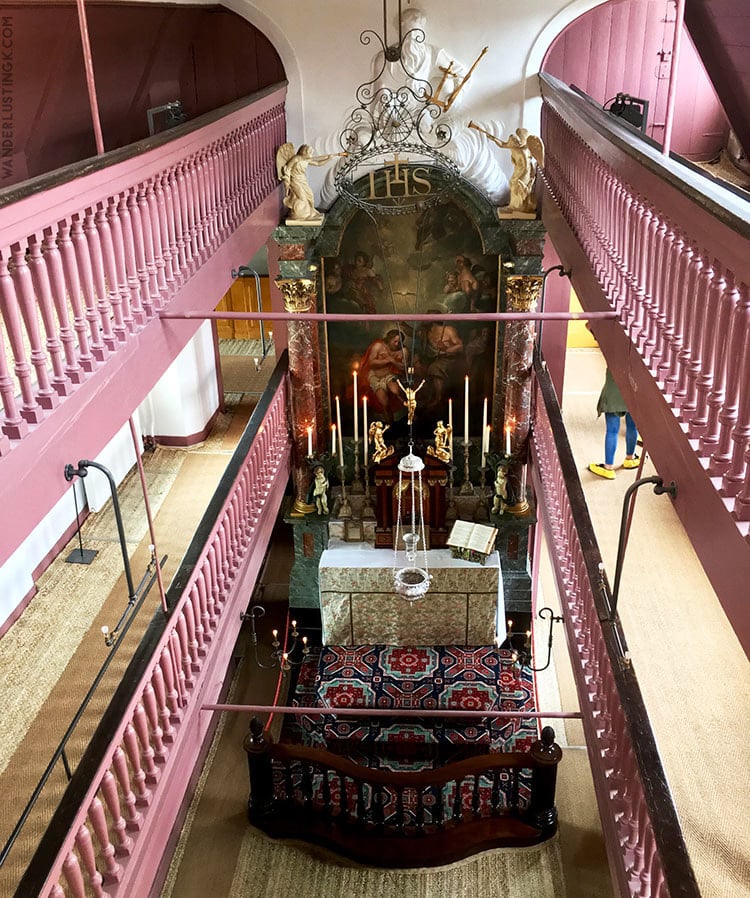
<point x="429" y="261"/>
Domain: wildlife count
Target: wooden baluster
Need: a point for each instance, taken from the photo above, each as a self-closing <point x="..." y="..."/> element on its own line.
<point x="689" y="304"/>
<point x="343" y="799"/>
<point x="458" y="800"/>
<point x="120" y="766"/>
<point x="734" y="477"/>
<point x="184" y="207"/>
<point x="177" y="199"/>
<point x="211" y="197"/>
<point x="114" y="297"/>
<point x="715" y="401"/>
<point x="72" y="285"/>
<point x="85" y="848"/>
<point x="154" y="293"/>
<point x="15" y="423"/>
<point x="439" y="805"/>
<point x="88" y="262"/>
<point x="378" y="813"/>
<point x="160" y="693"/>
<point x="205" y="586"/>
<point x="21" y="276"/>
<point x="168" y="188"/>
<point x="700" y="325"/>
<point x="148" y="753"/>
<point x="166" y="664"/>
<point x="742" y="502"/>
<point x="325" y="789"/>
<point x="130" y="264"/>
<point x="400" y="815"/>
<point x="191" y="631"/>
<point x="152" y="707"/>
<point x="98" y="818"/>
<point x="221" y="183"/>
<point x="157" y="241"/>
<point x="165" y="239"/>
<point x="734" y="343"/>
<point x="57" y="891"/>
<point x="41" y="296"/>
<point x="419" y="814"/>
<point x="361" y="808"/>
<point x="52" y="279"/>
<point x="178" y="667"/>
<point x="139" y="254"/>
<point x="118" y="256"/>
<point x="476" y="795"/>
<point x="71" y="869"/>
<point x="675" y="245"/>
<point x="199" y="189"/>
<point x="495" y="806"/>
<point x="95" y="253"/>
<point x="672" y="377"/>
<point x="130" y="741"/>
<point x="112" y="802"/>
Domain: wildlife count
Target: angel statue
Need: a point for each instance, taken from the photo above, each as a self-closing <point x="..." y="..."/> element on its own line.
<point x="527" y="156"/>
<point x="291" y="168"/>
<point x="380" y="451"/>
<point x="442" y="447"/>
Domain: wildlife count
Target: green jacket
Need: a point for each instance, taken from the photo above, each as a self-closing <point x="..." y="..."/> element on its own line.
<point x="610" y="398"/>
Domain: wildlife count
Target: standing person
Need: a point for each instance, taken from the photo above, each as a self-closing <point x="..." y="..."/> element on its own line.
<point x="613" y="406"/>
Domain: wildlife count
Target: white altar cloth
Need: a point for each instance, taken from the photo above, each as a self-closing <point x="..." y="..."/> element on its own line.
<point x="464" y="605"/>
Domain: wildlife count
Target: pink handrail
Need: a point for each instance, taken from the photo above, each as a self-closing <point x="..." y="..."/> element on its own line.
<point x="88" y="261"/>
<point x="146" y="770"/>
<point x="669" y="249"/>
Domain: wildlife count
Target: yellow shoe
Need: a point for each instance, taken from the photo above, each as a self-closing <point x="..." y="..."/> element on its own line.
<point x="602" y="471"/>
<point x="633" y="462"/>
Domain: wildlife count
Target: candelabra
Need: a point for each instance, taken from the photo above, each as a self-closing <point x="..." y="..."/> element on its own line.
<point x="357" y="487"/>
<point x="524" y="655"/>
<point x="282" y="657"/>
<point x="345" y="509"/>
<point x="467" y="488"/>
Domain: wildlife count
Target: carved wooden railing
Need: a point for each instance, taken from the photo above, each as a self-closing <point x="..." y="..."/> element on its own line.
<point x="645" y="845"/>
<point x="112" y="827"/>
<point x="671" y="255"/>
<point x="404" y="819"/>
<point x="91" y="253"/>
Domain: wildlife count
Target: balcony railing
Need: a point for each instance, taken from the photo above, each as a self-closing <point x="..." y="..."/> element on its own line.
<point x="108" y="835"/>
<point x="645" y="845"/>
<point x="91" y="253"/>
<point x="669" y="248"/>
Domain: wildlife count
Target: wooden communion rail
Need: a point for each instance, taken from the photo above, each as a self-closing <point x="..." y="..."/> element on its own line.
<point x="402" y="819"/>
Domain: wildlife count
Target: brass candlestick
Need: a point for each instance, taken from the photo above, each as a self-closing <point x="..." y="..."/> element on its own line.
<point x="357" y="488"/>
<point x="345" y="509"/>
<point x="467" y="489"/>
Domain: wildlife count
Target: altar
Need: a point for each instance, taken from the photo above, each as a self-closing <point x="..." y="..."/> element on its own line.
<point x="464" y="605"/>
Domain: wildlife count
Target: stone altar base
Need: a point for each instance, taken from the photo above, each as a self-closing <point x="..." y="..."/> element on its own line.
<point x="359" y="607"/>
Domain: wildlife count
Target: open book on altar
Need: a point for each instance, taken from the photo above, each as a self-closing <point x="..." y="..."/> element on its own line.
<point x="472" y="542"/>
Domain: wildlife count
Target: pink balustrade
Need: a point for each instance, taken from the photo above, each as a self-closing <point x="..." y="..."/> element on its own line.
<point x="89" y="257"/>
<point x="670" y="250"/>
<point x="118" y="838"/>
<point x="624" y="761"/>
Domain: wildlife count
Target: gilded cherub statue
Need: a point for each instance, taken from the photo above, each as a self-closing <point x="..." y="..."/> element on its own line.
<point x="441" y="449"/>
<point x="291" y="168"/>
<point x="411" y="399"/>
<point x="527" y="156"/>
<point x="381" y="451"/>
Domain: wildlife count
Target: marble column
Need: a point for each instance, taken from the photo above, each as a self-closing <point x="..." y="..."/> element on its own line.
<point x="522" y="292"/>
<point x="304" y="377"/>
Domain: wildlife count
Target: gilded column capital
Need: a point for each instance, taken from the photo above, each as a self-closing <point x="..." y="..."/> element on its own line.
<point x="523" y="292"/>
<point x="299" y="294"/>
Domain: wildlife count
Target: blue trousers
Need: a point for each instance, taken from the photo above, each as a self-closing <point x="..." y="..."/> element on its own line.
<point x="613" y="431"/>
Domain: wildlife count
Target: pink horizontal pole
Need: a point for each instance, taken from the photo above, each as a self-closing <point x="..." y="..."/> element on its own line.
<point x="386" y="712"/>
<point x="395" y="316"/>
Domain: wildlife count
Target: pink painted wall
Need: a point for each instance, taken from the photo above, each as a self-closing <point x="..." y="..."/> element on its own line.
<point x="625" y="46"/>
<point x="144" y="55"/>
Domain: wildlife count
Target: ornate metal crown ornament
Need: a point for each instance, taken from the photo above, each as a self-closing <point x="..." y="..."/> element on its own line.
<point x="389" y="121"/>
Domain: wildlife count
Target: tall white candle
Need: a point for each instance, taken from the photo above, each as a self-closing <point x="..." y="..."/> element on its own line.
<point x="356" y="406"/>
<point x="338" y="425"/>
<point x="485" y="443"/>
<point x="450" y="425"/>
<point x="466" y="409"/>
<point x="309" y="441"/>
<point x="365" y="436"/>
<point x="333" y="440"/>
<point x="484" y="419"/>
